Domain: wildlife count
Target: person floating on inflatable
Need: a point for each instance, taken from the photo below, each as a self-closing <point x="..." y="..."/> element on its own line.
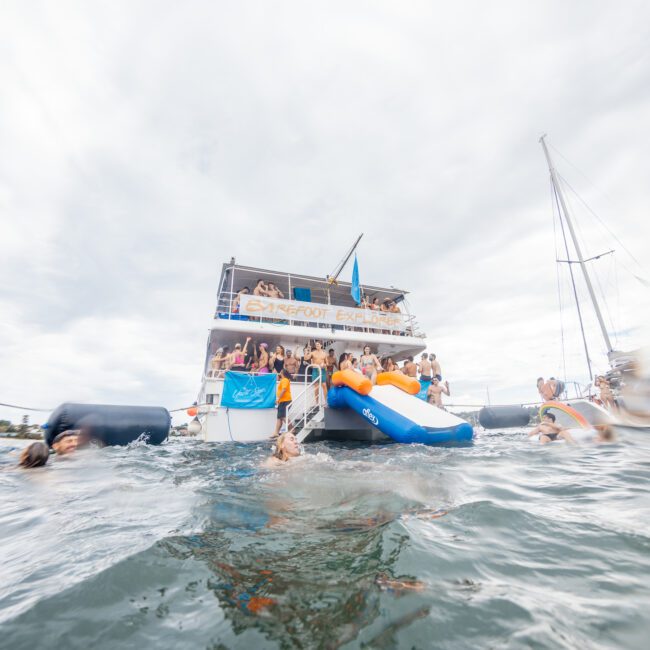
<point x="548" y="431"/>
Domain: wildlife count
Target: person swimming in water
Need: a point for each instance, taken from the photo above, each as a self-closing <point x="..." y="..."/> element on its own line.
<point x="286" y="448"/>
<point x="36" y="455"/>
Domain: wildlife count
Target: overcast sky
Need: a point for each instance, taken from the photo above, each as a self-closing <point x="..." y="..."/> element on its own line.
<point x="142" y="144"/>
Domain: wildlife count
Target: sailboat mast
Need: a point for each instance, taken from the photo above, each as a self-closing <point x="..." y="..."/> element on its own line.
<point x="583" y="266"/>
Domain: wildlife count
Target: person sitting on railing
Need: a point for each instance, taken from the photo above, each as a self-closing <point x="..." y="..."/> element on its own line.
<point x="385" y="305"/>
<point x="286" y="448"/>
<point x="276" y="362"/>
<point x="235" y="303"/>
<point x="374" y="305"/>
<point x="263" y="359"/>
<point x="238" y="357"/>
<point x="370" y="365"/>
<point x="273" y="291"/>
<point x="283" y="399"/>
<point x="291" y="363"/>
<point x="344" y="362"/>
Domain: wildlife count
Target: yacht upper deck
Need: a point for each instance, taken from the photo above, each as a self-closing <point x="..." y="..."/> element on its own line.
<point x="310" y="302"/>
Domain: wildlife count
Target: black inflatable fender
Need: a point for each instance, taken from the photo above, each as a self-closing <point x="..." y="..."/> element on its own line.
<point x="503" y="417"/>
<point x="110" y="424"/>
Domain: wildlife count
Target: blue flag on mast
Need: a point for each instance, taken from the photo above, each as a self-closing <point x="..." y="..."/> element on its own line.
<point x="356" y="289"/>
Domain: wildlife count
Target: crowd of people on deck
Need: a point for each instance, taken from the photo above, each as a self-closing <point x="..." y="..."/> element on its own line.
<point x="268" y="289"/>
<point x="256" y="358"/>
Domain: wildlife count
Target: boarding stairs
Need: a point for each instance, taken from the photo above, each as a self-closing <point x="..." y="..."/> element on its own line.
<point x="307" y="409"/>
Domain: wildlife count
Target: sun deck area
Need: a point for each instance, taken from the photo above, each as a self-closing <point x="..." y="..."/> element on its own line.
<point x="298" y="300"/>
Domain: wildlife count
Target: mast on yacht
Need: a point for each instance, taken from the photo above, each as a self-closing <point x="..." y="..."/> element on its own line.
<point x="581" y="261"/>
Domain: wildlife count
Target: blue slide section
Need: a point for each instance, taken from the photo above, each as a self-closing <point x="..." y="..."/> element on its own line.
<point x="394" y="424"/>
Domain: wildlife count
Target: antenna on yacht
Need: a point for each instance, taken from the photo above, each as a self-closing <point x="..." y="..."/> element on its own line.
<point x="331" y="279"/>
<point x="581" y="261"/>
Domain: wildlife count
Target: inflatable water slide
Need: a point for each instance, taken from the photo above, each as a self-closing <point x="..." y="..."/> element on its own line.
<point x="392" y="407"/>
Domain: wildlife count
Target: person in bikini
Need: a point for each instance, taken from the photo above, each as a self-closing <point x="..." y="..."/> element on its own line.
<point x="549" y="431"/>
<point x="425" y="368"/>
<point x="318" y="358"/>
<point x="370" y="365"/>
<point x="344" y="362"/>
<point x="238" y="357"/>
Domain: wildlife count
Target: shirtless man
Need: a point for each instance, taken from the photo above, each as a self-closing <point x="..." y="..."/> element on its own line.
<point x="435" y="391"/>
<point x="273" y="291"/>
<point x="318" y="357"/>
<point x="331" y="364"/>
<point x="260" y="289"/>
<point x="425" y="368"/>
<point x="291" y="363"/>
<point x="545" y="389"/>
<point x="410" y="368"/>
<point x="435" y="367"/>
<point x="548" y="431"/>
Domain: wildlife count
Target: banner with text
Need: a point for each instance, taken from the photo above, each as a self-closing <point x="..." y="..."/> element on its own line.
<point x="313" y="312"/>
<point x="244" y="391"/>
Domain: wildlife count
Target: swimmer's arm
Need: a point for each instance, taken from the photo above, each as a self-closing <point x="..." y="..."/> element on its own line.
<point x="535" y="431"/>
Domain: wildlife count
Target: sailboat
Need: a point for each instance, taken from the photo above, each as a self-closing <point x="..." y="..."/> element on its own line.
<point x="622" y="365"/>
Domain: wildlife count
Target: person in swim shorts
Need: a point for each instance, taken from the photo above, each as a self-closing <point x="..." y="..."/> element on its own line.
<point x="425" y="368"/>
<point x="318" y="358"/>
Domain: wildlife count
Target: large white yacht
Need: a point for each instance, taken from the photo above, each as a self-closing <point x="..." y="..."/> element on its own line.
<point x="311" y="309"/>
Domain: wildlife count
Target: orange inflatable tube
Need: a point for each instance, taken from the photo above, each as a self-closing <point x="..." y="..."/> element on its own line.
<point x="353" y="380"/>
<point x="409" y="385"/>
<point x="565" y="408"/>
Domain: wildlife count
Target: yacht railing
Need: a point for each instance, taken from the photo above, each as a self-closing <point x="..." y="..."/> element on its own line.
<point x="307" y="402"/>
<point x="228" y="309"/>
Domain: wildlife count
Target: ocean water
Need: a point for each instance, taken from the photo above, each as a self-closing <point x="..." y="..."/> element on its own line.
<point x="504" y="544"/>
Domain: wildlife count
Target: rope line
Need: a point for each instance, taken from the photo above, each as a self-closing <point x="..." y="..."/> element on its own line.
<point x="24" y="408"/>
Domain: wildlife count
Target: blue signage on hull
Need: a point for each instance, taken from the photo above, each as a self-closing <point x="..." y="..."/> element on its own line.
<point x="244" y="391"/>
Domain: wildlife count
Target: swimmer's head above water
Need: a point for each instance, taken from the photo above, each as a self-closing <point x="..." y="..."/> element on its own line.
<point x="66" y="442"/>
<point x="286" y="447"/>
<point x="36" y="455"/>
